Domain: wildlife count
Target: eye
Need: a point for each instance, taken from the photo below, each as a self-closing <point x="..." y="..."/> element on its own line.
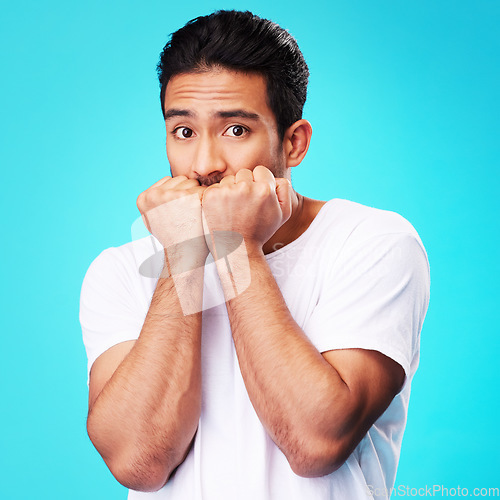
<point x="183" y="133"/>
<point x="236" y="131"/>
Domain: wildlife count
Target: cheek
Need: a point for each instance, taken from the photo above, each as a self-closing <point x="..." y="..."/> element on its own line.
<point x="179" y="161"/>
<point x="254" y="152"/>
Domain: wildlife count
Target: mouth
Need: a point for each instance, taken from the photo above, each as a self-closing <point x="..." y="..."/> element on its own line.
<point x="206" y="181"/>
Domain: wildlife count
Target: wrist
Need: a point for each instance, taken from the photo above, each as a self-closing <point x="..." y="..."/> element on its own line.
<point x="254" y="250"/>
<point x="234" y="268"/>
<point x="186" y="256"/>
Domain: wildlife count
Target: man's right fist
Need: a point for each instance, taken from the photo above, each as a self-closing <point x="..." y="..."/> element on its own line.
<point x="171" y="211"/>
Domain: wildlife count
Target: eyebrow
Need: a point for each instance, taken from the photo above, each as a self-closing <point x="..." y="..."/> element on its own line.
<point x="172" y="112"/>
<point x="232" y="113"/>
<point x="238" y="113"/>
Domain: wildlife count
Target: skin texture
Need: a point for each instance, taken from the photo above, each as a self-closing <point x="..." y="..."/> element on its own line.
<point x="230" y="173"/>
<point x="145" y="395"/>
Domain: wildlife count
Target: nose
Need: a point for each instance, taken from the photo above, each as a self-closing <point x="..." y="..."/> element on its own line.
<point x="208" y="159"/>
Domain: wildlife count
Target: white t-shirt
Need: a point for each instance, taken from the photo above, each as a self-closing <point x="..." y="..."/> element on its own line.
<point x="358" y="277"/>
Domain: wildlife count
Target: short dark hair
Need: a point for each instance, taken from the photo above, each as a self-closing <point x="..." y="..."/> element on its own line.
<point x="244" y="42"/>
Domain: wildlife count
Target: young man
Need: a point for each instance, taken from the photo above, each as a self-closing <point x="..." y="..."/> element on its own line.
<point x="268" y="353"/>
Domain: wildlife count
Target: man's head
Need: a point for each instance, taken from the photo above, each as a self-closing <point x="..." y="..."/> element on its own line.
<point x="243" y="42"/>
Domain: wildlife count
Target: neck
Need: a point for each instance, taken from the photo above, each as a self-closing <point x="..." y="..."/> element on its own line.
<point x="291" y="229"/>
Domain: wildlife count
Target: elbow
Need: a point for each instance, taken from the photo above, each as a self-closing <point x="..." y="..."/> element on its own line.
<point x="319" y="460"/>
<point x="139" y="473"/>
<point x="138" y="477"/>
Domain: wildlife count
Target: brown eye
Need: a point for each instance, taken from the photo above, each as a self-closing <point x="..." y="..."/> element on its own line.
<point x="236" y="131"/>
<point x="183" y="133"/>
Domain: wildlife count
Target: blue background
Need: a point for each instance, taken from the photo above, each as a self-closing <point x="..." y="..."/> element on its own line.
<point x="403" y="101"/>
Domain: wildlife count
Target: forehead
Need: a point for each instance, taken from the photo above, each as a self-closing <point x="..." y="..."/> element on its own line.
<point x="216" y="90"/>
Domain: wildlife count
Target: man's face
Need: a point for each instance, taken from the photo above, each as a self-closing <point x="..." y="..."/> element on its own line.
<point x="219" y="122"/>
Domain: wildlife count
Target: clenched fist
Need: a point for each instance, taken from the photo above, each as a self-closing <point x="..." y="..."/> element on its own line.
<point x="253" y="204"/>
<point x="171" y="210"/>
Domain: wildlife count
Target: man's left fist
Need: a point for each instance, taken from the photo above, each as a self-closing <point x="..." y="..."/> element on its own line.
<point x="253" y="204"/>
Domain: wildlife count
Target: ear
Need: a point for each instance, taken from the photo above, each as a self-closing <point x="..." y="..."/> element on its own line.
<point x="296" y="142"/>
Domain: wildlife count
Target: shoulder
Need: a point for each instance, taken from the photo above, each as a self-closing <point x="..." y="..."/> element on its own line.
<point x="348" y="237"/>
<point x="143" y="257"/>
<point x="115" y="296"/>
<point x="118" y="283"/>
<point x="365" y="219"/>
<point x="354" y="223"/>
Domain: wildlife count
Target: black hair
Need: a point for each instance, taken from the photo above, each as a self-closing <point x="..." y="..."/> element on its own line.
<point x="244" y="42"/>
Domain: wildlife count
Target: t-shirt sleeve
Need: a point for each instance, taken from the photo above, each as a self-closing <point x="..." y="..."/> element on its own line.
<point x="110" y="312"/>
<point x="374" y="297"/>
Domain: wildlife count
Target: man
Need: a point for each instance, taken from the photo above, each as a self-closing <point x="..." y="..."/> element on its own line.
<point x="268" y="353"/>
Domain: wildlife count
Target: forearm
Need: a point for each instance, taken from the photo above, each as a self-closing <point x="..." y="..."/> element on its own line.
<point x="144" y="419"/>
<point x="294" y="391"/>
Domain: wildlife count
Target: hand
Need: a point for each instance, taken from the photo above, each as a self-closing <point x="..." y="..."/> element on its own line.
<point x="252" y="204"/>
<point x="171" y="210"/>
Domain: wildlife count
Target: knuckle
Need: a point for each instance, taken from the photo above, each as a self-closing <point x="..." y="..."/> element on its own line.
<point x="140" y="201"/>
<point x="181" y="177"/>
<point x="154" y="197"/>
<point x="263" y="189"/>
<point x="207" y="194"/>
<point x="242" y="187"/>
<point x="144" y="200"/>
